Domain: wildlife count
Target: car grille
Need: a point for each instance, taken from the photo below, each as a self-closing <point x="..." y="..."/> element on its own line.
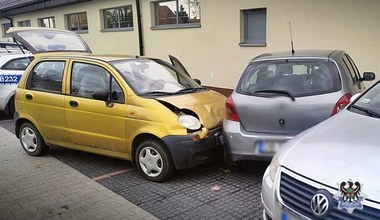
<point x="297" y="196"/>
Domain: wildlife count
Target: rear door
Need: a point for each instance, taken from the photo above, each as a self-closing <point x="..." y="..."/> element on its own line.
<point x="43" y="99"/>
<point x="286" y="97"/>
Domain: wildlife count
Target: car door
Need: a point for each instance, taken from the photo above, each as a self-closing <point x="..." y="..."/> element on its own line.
<point x="177" y="64"/>
<point x="43" y="99"/>
<point x="95" y="125"/>
<point x="357" y="85"/>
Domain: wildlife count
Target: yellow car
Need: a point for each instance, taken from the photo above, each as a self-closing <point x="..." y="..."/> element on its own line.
<point x="136" y="108"/>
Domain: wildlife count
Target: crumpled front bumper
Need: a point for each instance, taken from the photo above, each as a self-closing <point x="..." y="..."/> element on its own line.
<point x="189" y="151"/>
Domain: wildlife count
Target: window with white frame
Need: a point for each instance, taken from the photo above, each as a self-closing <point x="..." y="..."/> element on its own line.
<point x="254" y="24"/>
<point x="118" y="18"/>
<point x="25" y="23"/>
<point x="5" y="27"/>
<point x="77" y="21"/>
<point x="177" y="13"/>
<point x="47" y="22"/>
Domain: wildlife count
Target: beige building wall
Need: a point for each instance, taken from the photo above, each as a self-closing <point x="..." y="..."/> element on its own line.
<point x="212" y="53"/>
<point x="213" y="49"/>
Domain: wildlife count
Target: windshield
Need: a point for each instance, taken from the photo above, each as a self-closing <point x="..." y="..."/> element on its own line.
<point x="148" y="77"/>
<point x="369" y="103"/>
<point x="296" y="77"/>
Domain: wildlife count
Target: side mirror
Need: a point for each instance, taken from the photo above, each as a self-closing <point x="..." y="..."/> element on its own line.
<point x="354" y="97"/>
<point x="368" y="76"/>
<point x="101" y="94"/>
<point x="197" y="81"/>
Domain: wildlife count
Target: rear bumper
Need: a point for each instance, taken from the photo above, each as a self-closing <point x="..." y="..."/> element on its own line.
<point x="187" y="153"/>
<point x="241" y="145"/>
<point x="6" y="92"/>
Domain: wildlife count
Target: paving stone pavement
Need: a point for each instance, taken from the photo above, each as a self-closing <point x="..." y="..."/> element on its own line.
<point x="46" y="188"/>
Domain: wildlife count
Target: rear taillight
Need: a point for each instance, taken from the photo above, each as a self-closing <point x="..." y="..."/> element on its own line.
<point x="342" y="102"/>
<point x="231" y="113"/>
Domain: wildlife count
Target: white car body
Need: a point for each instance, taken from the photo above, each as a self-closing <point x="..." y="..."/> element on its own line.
<point x="12" y="66"/>
<point x="309" y="177"/>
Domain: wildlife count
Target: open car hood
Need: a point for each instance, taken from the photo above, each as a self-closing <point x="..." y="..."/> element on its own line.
<point x="45" y="40"/>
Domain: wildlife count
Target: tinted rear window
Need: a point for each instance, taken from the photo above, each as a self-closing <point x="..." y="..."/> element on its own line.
<point x="298" y="77"/>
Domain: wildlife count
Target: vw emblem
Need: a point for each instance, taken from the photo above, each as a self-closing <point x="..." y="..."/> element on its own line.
<point x="320" y="204"/>
<point x="281" y="122"/>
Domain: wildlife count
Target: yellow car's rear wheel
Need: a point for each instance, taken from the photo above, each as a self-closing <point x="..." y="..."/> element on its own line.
<point x="31" y="140"/>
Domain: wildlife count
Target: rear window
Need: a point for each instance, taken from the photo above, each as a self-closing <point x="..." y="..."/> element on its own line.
<point x="298" y="77"/>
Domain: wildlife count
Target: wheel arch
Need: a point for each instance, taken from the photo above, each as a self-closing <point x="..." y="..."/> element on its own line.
<point x="18" y="124"/>
<point x="143" y="137"/>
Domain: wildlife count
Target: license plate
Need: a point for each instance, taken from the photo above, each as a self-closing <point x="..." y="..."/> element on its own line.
<point x="288" y="215"/>
<point x="267" y="147"/>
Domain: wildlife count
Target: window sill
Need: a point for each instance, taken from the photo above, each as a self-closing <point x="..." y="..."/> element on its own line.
<point x="252" y="45"/>
<point x="81" y="32"/>
<point x="116" y="29"/>
<point x="175" y="26"/>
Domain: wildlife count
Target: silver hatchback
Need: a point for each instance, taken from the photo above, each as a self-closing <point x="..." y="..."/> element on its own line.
<point x="280" y="95"/>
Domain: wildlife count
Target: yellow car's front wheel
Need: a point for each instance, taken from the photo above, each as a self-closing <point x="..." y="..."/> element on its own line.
<point x="154" y="161"/>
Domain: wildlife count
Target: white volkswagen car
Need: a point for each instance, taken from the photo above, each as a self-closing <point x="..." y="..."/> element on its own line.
<point x="330" y="171"/>
<point x="12" y="67"/>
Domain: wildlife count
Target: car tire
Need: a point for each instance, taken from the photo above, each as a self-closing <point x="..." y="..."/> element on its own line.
<point x="229" y="164"/>
<point x="154" y="161"/>
<point x="31" y="140"/>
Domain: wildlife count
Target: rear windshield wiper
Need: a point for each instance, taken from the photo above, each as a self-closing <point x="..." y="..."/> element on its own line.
<point x="280" y="92"/>
<point x="369" y="112"/>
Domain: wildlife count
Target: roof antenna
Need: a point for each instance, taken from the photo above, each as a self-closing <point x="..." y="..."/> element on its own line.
<point x="291" y="38"/>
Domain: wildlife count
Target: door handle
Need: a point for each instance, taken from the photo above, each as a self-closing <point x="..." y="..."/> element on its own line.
<point x="29" y="96"/>
<point x="73" y="103"/>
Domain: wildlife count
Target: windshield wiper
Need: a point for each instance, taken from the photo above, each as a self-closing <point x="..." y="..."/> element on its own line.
<point x="191" y="89"/>
<point x="280" y="92"/>
<point x="369" y="112"/>
<point x="158" y="93"/>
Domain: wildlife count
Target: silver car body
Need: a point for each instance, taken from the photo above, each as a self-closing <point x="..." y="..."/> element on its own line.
<point x="12" y="67"/>
<point x="269" y="120"/>
<point x="342" y="148"/>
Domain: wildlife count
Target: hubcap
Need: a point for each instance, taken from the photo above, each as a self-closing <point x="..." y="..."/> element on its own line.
<point x="150" y="161"/>
<point x="28" y="139"/>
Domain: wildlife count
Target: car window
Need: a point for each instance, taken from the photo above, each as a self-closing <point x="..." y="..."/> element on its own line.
<point x="355" y="69"/>
<point x="47" y="76"/>
<point x="17" y="63"/>
<point x="351" y="69"/>
<point x="370" y="100"/>
<point x="86" y="78"/>
<point x="298" y="77"/>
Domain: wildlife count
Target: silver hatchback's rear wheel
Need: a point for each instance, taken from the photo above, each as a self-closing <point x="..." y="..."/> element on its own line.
<point x="31" y="140"/>
<point x="154" y="161"/>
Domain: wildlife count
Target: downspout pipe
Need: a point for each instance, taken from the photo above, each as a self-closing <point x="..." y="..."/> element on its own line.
<point x="14" y="40"/>
<point x="139" y="28"/>
<point x="11" y="21"/>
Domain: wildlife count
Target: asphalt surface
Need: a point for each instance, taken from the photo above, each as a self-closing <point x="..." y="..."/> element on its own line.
<point x="205" y="192"/>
